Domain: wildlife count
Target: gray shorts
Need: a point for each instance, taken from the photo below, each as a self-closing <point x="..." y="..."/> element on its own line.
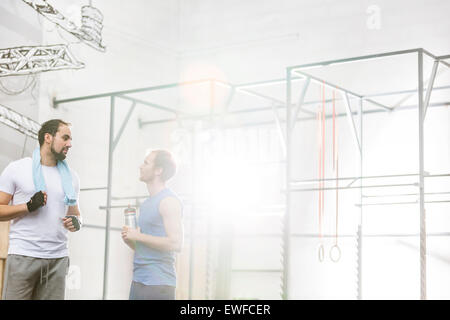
<point x="28" y="278"/>
<point x="139" y="291"/>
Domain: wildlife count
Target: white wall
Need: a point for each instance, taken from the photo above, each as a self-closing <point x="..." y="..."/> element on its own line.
<point x="18" y="27"/>
<point x="254" y="40"/>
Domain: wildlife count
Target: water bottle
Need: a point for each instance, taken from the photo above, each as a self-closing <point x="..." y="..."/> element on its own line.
<point x="130" y="217"/>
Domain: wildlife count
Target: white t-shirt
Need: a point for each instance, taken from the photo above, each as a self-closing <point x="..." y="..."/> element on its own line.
<point x="40" y="233"/>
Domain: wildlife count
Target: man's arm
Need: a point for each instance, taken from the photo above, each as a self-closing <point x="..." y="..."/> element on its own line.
<point x="131" y="244"/>
<point x="9" y="212"/>
<point x="170" y="210"/>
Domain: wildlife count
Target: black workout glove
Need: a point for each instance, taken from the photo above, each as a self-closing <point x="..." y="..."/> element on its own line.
<point x="36" y="201"/>
<point x="75" y="222"/>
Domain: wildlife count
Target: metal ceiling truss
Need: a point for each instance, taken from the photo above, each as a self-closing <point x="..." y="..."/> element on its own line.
<point x="29" y="60"/>
<point x="89" y="32"/>
<point x="19" y="122"/>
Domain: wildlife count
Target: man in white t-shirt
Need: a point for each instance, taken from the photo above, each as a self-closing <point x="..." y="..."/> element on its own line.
<point x="37" y="194"/>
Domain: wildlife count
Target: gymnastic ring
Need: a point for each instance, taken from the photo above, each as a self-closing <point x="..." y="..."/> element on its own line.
<point x="321" y="253"/>
<point x="338" y="253"/>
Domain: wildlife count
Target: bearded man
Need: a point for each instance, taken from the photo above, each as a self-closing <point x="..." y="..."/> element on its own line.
<point x="40" y="197"/>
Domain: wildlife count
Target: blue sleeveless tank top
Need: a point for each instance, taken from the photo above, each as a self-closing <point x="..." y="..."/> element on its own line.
<point x="152" y="266"/>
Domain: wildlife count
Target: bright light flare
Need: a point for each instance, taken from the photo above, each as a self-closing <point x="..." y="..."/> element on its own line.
<point x="233" y="186"/>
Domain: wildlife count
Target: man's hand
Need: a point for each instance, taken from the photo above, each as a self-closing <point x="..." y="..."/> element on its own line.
<point x="39" y="199"/>
<point x="129" y="234"/>
<point x="68" y="224"/>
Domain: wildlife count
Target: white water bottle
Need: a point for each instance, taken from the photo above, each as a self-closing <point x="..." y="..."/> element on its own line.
<point x="130" y="217"/>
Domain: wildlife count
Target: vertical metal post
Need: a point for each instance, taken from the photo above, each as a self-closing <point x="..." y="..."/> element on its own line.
<point x="108" y="197"/>
<point x="210" y="270"/>
<point x="286" y="222"/>
<point x="423" y="245"/>
<point x="192" y="216"/>
<point x="360" y="231"/>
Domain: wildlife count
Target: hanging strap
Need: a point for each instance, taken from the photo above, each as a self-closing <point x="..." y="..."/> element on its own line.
<point x="321" y="125"/>
<point x="321" y="253"/>
<point x="335" y="251"/>
<point x="323" y="148"/>
<point x="334" y="131"/>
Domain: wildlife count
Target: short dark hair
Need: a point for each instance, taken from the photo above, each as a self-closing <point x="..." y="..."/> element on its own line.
<point x="165" y="160"/>
<point x="51" y="127"/>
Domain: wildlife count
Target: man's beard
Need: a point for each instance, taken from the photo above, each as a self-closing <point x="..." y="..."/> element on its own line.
<point x="60" y="156"/>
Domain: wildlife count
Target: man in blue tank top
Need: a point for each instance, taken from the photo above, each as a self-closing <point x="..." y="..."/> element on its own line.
<point x="159" y="234"/>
